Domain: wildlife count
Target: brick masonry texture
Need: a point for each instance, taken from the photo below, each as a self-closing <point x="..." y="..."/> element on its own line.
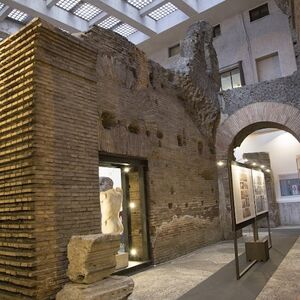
<point x="17" y="205"/>
<point x="98" y="93"/>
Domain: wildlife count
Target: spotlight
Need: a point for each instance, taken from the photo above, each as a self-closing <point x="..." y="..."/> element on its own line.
<point x="220" y="163"/>
<point x="126" y="170"/>
<point x="246" y="160"/>
<point x="262" y="166"/>
<point x="131" y="204"/>
<point x="254" y="164"/>
<point x="268" y="170"/>
<point x="133" y="252"/>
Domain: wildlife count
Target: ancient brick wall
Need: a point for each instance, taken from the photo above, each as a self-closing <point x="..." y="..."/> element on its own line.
<point x="183" y="210"/>
<point x="66" y="157"/>
<point x="17" y="206"/>
<point x="95" y="93"/>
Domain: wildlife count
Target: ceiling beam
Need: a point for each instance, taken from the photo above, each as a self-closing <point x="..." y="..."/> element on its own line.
<point x="171" y="20"/>
<point x="54" y="15"/>
<point x="8" y="27"/>
<point x="127" y="14"/>
<point x="152" y="7"/>
<point x="50" y="3"/>
<point x="5" y="12"/>
<point x="189" y="7"/>
<point x="102" y="16"/>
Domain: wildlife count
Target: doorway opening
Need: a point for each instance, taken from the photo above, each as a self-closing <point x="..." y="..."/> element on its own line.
<point x="277" y="153"/>
<point x="123" y="180"/>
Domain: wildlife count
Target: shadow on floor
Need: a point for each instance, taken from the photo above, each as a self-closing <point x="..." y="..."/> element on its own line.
<point x="223" y="284"/>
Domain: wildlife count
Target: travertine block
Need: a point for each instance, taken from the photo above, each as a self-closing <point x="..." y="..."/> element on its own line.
<point x="121" y="260"/>
<point x="92" y="257"/>
<point x="112" y="288"/>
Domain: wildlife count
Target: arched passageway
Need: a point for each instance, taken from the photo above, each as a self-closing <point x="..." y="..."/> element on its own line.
<point x="233" y="130"/>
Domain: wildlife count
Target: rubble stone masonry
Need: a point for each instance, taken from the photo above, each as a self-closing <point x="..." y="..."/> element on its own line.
<point x="64" y="99"/>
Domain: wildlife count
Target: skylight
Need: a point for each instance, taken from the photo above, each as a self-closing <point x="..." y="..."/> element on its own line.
<point x="125" y="30"/>
<point x="139" y="4"/>
<point x="18" y="16"/>
<point x="109" y="22"/>
<point x="67" y="4"/>
<point x="1" y="5"/>
<point x="87" y="11"/>
<point x="163" y="11"/>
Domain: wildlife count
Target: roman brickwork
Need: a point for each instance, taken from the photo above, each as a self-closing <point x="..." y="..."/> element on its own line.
<point x="17" y="200"/>
<point x="64" y="100"/>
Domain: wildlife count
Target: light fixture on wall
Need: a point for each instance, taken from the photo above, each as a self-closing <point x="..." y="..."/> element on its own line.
<point x="126" y="169"/>
<point x="131" y="205"/>
<point x="133" y="252"/>
<point x="262" y="166"/>
<point x="268" y="170"/>
<point x="220" y="163"/>
<point x="254" y="164"/>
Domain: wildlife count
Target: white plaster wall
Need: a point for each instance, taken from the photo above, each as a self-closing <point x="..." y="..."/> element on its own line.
<point x="283" y="149"/>
<point x="244" y="41"/>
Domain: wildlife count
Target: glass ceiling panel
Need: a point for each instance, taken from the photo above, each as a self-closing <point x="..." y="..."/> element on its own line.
<point x="109" y="22"/>
<point x="163" y="11"/>
<point x="1" y="5"/>
<point x="125" y="30"/>
<point x="18" y="16"/>
<point x="139" y="4"/>
<point x="86" y="11"/>
<point x="67" y="4"/>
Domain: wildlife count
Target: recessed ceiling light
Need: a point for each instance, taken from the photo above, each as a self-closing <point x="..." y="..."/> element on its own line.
<point x="125" y="30"/>
<point x="163" y="11"/>
<point x="109" y="22"/>
<point x="139" y="4"/>
<point x="18" y="16"/>
<point x="86" y="11"/>
<point x="67" y="4"/>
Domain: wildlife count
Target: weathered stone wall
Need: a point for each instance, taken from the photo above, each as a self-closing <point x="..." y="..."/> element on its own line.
<point x="150" y="120"/>
<point x="282" y="90"/>
<point x="90" y="94"/>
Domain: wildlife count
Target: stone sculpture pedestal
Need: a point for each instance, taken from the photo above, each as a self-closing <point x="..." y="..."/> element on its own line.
<point x="92" y="259"/>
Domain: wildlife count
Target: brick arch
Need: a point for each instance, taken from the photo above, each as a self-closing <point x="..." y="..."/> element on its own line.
<point x="235" y="129"/>
<point x="253" y="117"/>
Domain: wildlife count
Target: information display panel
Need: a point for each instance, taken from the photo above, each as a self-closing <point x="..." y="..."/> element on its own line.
<point x="242" y="194"/>
<point x="260" y="192"/>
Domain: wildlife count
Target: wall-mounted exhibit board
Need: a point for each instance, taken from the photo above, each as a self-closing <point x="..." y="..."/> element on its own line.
<point x="249" y="193"/>
<point x="249" y="203"/>
<point x="260" y="192"/>
<point x="243" y="197"/>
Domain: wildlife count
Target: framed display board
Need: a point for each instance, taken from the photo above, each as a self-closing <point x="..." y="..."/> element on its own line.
<point x="249" y="204"/>
<point x="243" y="197"/>
<point x="260" y="192"/>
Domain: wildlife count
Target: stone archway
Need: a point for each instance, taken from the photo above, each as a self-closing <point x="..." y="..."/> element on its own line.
<point x="235" y="128"/>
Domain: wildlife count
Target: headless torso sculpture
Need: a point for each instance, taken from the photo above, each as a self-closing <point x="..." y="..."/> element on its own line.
<point x="111" y="204"/>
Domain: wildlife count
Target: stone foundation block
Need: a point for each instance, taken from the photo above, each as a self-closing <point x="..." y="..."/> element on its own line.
<point x="112" y="288"/>
<point x="121" y="260"/>
<point x="92" y="257"/>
